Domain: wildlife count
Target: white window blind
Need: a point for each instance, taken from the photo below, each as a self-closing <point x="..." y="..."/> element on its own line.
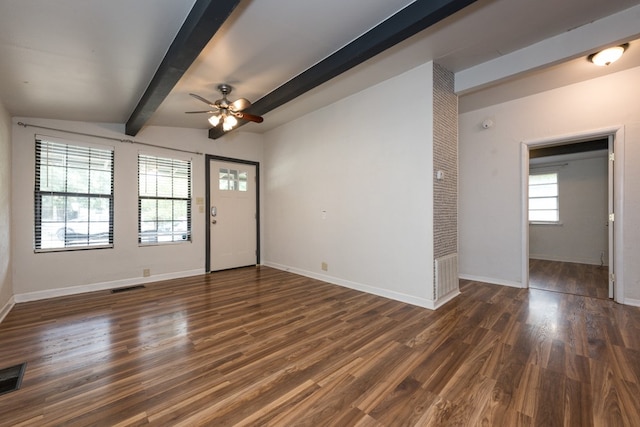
<point x="543" y="198"/>
<point x="164" y="199"/>
<point x="73" y="196"/>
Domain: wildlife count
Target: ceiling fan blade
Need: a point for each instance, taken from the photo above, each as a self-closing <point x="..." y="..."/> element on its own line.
<point x="250" y="117"/>
<point x="206" y="101"/>
<point x="199" y="112"/>
<point x="240" y="104"/>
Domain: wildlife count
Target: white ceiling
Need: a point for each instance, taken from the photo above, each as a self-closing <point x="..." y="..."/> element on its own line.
<point x="91" y="60"/>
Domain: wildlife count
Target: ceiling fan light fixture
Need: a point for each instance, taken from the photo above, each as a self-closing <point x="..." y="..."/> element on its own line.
<point x="225" y="112"/>
<point x="229" y="122"/>
<point x="214" y="120"/>
<point x="608" y="56"/>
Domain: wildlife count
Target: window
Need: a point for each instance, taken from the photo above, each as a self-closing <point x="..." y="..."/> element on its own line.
<point x="543" y="198"/>
<point x="232" y="180"/>
<point x="164" y="200"/>
<point x="73" y="196"/>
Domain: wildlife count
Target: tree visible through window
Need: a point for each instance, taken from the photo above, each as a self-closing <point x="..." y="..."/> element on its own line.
<point x="164" y="199"/>
<point x="73" y="196"/>
<point x="543" y="197"/>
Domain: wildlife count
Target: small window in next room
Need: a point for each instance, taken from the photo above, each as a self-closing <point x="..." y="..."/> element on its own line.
<point x="164" y="200"/>
<point x="543" y="198"/>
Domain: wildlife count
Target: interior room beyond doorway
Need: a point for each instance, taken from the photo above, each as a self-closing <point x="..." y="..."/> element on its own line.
<point x="568" y="218"/>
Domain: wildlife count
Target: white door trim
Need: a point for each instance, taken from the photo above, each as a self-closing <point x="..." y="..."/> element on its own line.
<point x="618" y="172"/>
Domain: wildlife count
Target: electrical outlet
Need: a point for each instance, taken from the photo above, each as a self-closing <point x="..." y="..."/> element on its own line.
<point x="324" y="266"/>
<point x="146" y="272"/>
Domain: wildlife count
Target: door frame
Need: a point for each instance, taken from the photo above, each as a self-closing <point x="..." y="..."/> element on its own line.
<point x="618" y="196"/>
<point x="207" y="173"/>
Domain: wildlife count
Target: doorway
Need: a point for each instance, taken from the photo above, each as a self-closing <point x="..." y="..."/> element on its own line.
<point x="588" y="185"/>
<point x="232" y="229"/>
<point x="568" y="211"/>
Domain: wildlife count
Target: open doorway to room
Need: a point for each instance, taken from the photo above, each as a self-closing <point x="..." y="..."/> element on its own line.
<point x="569" y="218"/>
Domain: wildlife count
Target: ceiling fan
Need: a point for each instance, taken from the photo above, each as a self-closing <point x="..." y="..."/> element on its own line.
<point x="226" y="112"/>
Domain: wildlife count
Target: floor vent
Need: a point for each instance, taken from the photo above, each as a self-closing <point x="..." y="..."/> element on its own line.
<point x="11" y="378"/>
<point x="129" y="288"/>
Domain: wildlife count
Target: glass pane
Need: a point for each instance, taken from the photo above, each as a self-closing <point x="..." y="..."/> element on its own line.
<point x="242" y="181"/>
<point x="165" y="187"/>
<point x="223" y="179"/>
<point x="148" y="211"/>
<point x="233" y="180"/>
<point x="180" y="187"/>
<point x="543" y="215"/>
<point x="78" y="180"/>
<point x="148" y="184"/>
<point x="546" y="190"/>
<point x="53" y="222"/>
<point x="52" y="178"/>
<point x="547" y="178"/>
<point x="543" y="203"/>
<point x="100" y="182"/>
<point x="165" y="210"/>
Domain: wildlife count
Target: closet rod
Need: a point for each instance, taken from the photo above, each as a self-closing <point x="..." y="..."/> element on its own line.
<point x="130" y="141"/>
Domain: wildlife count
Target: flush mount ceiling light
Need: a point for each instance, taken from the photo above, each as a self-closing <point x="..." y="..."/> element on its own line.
<point x="224" y="111"/>
<point x="609" y="55"/>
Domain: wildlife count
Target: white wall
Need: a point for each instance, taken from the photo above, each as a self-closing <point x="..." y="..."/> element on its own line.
<point x="490" y="171"/>
<point x="6" y="282"/>
<point x="582" y="236"/>
<point x="351" y="185"/>
<point x="42" y="275"/>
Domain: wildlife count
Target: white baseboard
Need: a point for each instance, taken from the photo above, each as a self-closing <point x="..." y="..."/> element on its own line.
<point x="588" y="261"/>
<point x="632" y="301"/>
<point x="73" y="290"/>
<point x="491" y="280"/>
<point x="445" y="299"/>
<point x="7" y="308"/>
<point x="397" y="296"/>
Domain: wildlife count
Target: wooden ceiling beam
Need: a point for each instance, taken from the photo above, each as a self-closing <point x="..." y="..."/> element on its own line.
<point x="204" y="20"/>
<point x="414" y="18"/>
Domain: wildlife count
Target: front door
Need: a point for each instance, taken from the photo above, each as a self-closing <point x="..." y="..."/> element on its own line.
<point x="232" y="215"/>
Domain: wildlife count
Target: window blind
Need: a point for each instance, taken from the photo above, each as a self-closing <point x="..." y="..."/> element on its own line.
<point x="73" y="196"/>
<point x="164" y="199"/>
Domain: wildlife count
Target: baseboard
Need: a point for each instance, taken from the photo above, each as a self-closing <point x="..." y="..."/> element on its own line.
<point x="632" y="301"/>
<point x="588" y="261"/>
<point x="491" y="280"/>
<point x="397" y="296"/>
<point x="445" y="299"/>
<point x="7" y="308"/>
<point x="73" y="290"/>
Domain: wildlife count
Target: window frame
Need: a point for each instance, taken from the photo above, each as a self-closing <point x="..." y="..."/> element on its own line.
<point x="557" y="197"/>
<point x="148" y="237"/>
<point x="81" y="151"/>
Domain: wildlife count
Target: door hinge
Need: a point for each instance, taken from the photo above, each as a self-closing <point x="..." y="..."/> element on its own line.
<point x="612" y="217"/>
<point x="612" y="156"/>
<point x="612" y="277"/>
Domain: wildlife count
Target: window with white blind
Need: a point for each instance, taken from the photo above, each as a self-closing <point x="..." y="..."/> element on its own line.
<point x="543" y="198"/>
<point x="164" y="200"/>
<point x="73" y="196"/>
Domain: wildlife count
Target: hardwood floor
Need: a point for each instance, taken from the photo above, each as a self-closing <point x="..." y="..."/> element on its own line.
<point x="259" y="346"/>
<point x="568" y="277"/>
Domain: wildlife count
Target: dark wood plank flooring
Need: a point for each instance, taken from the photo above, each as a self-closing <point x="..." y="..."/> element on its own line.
<point x="568" y="277"/>
<point x="262" y="347"/>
